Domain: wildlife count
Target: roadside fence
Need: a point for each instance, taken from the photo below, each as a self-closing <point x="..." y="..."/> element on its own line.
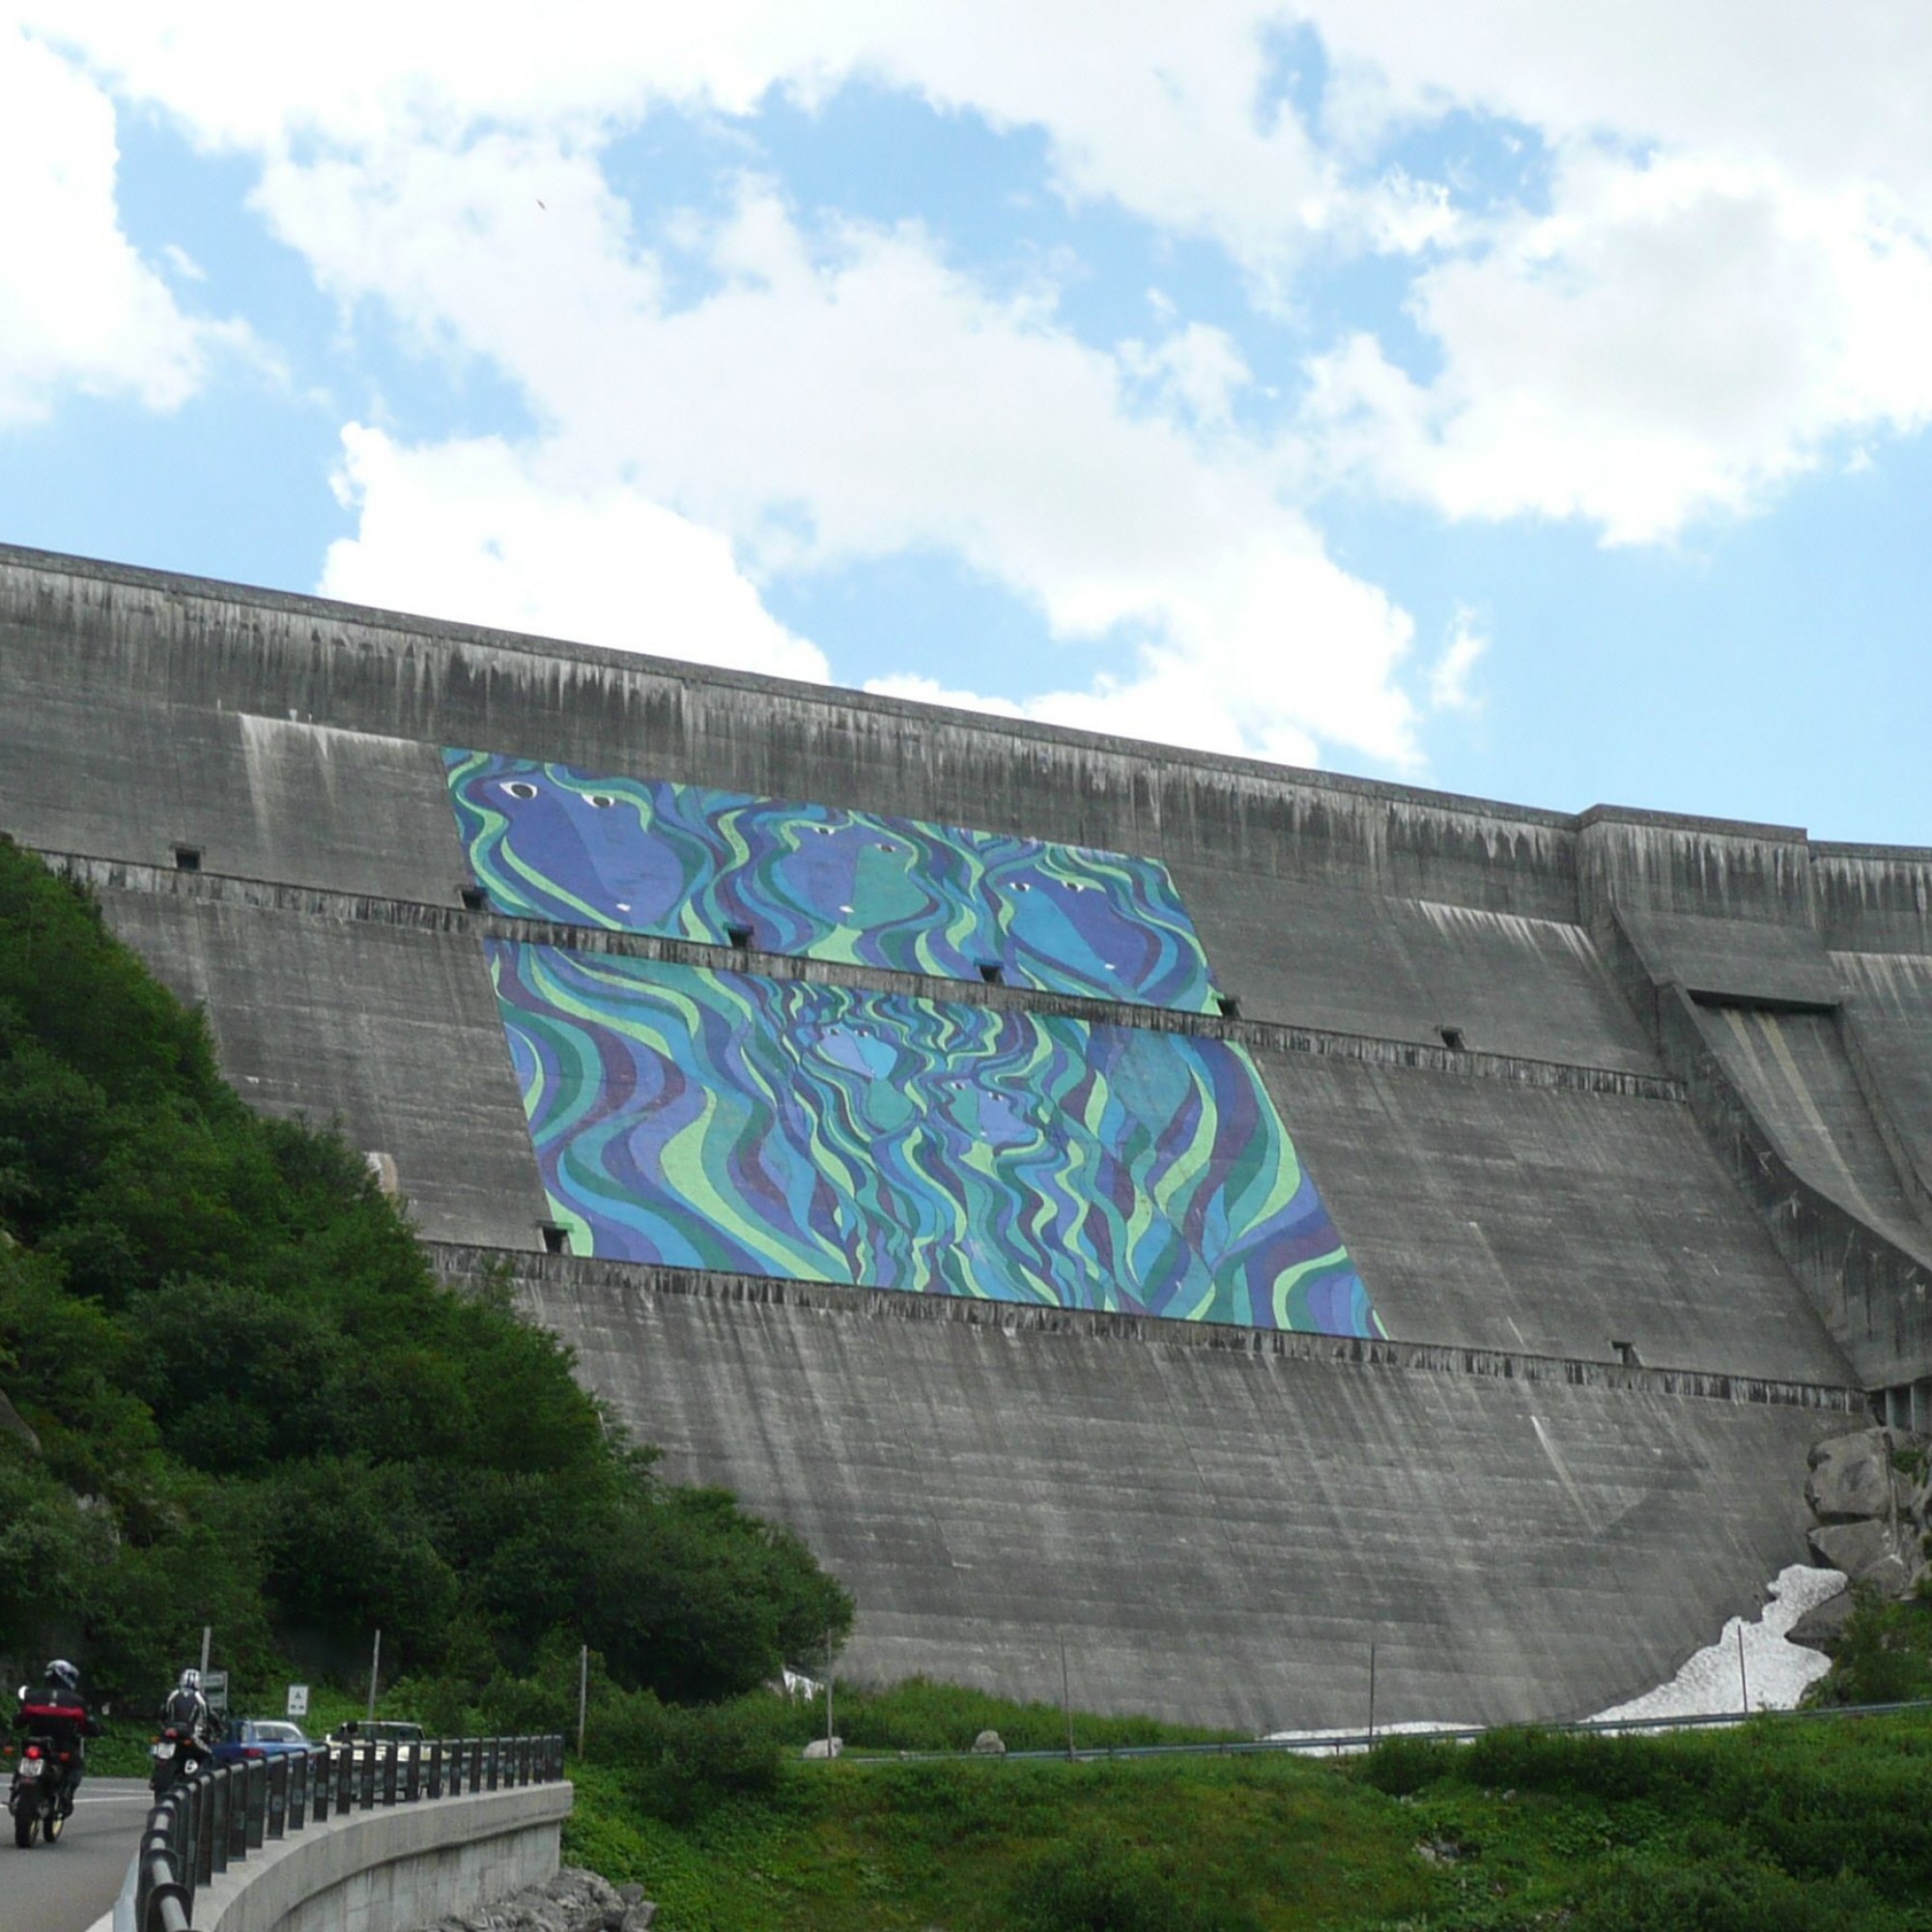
<point x="215" y="1819"/>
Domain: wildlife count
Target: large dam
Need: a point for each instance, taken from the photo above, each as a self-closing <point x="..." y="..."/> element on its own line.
<point x="1210" y="1218"/>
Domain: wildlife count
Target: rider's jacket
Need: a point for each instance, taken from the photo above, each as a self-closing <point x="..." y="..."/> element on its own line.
<point x="61" y="1716"/>
<point x="187" y="1711"/>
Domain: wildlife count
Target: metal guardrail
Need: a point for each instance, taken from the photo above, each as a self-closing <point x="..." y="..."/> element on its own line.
<point x="215" y="1819"/>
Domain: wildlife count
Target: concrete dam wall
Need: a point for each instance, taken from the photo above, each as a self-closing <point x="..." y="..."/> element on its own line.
<point x="1215" y="1216"/>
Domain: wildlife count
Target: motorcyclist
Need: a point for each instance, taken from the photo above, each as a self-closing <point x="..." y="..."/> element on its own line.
<point x="59" y="1713"/>
<point x="186" y="1711"/>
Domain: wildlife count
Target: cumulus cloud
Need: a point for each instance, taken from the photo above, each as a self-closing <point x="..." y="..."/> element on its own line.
<point x="79" y="307"/>
<point x="1672" y="338"/>
<point x="1721" y="278"/>
<point x="1162" y="111"/>
<point x="1450" y="677"/>
<point x="849" y="395"/>
<point x="479" y="533"/>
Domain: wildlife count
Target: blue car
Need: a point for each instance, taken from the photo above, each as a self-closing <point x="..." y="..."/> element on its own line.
<point x="247" y="1738"/>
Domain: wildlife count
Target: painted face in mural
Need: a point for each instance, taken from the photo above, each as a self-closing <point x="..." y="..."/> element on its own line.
<point x="582" y="853"/>
<point x="548" y="841"/>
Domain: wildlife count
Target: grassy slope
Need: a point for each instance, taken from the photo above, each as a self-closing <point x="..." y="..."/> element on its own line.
<point x="1772" y="1827"/>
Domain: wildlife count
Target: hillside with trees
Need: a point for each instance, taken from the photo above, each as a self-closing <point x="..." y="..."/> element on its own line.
<point x="234" y="1394"/>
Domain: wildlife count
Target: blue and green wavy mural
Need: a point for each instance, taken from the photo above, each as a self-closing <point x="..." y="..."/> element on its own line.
<point x="700" y="1119"/>
<point x="635" y="854"/>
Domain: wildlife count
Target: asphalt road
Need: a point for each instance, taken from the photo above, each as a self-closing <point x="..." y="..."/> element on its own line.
<point x="64" y="1887"/>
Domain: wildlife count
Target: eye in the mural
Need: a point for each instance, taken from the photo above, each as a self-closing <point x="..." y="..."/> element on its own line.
<point x="602" y="800"/>
<point x="824" y="831"/>
<point x="520" y="789"/>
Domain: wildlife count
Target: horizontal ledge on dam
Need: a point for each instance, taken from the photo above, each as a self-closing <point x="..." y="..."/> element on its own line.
<point x="460" y="1265"/>
<point x="226" y="888"/>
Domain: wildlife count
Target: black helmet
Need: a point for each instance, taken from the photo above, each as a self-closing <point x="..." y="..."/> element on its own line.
<point x="61" y="1673"/>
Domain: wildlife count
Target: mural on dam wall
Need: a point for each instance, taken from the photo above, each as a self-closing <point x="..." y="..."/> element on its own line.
<point x="699" y="1119"/>
<point x="547" y="841"/>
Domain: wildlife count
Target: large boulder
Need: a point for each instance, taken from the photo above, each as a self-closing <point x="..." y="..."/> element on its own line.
<point x="1850" y="1477"/>
<point x="1855" y="1547"/>
<point x="1822" y="1626"/>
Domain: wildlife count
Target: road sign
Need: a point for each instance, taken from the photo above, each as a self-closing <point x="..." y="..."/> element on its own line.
<point x="214" y="1687"/>
<point x="297" y="1700"/>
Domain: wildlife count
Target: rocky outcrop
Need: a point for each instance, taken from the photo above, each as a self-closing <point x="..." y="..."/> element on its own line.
<point x="1855" y="1547"/>
<point x="1851" y="1477"/>
<point x="1821" y="1627"/>
<point x="572" y="1901"/>
<point x="1871" y="1493"/>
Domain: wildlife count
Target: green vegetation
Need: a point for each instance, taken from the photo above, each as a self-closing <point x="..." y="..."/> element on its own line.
<point x="1883" y="1653"/>
<point x="246" y="1403"/>
<point x="1774" y="1827"/>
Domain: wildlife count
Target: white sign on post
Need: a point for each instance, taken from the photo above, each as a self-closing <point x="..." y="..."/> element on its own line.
<point x="214" y="1687"/>
<point x="297" y="1700"/>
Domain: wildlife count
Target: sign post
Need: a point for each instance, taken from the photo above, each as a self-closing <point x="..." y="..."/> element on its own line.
<point x="297" y="1700"/>
<point x="214" y="1687"/>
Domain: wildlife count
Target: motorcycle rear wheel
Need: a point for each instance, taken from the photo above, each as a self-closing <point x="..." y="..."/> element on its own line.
<point x="26" y="1826"/>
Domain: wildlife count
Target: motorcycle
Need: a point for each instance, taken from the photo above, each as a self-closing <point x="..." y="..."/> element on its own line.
<point x="39" y="1797"/>
<point x="175" y="1760"/>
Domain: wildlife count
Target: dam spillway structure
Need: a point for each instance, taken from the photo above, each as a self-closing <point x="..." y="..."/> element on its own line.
<point x="1216" y="1216"/>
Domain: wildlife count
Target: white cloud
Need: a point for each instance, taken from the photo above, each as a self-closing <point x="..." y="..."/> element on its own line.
<point x="1196" y="367"/>
<point x="1729" y="282"/>
<point x="1672" y="338"/>
<point x="1450" y="675"/>
<point x="1157" y="109"/>
<point x="478" y="532"/>
<point x="79" y="307"/>
<point x="1832" y="98"/>
<point x="851" y="396"/>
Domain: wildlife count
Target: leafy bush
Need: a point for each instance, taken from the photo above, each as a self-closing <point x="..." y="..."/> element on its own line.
<point x="1404" y="1766"/>
<point x="256" y="1408"/>
<point x="1095" y="1882"/>
<point x="1727" y="1895"/>
<point x="681" y="1764"/>
<point x="1883" y="1653"/>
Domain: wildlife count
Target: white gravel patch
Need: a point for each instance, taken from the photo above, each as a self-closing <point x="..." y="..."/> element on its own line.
<point x="1776" y="1671"/>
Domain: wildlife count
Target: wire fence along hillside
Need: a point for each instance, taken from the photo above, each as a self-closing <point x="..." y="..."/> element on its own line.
<point x="214" y="1820"/>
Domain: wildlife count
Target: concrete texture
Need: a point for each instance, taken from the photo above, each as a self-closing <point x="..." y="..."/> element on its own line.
<point x="1545" y="1220"/>
<point x="1799" y="1081"/>
<point x="1338" y="958"/>
<point x="391" y="1032"/>
<point x="392" y="1869"/>
<point x="1523" y="1523"/>
<point x="1736" y="959"/>
<point x="1217" y="1534"/>
<point x="1888" y="1024"/>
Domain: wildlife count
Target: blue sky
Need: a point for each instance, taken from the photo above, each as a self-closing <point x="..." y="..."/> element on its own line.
<point x="1530" y="413"/>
